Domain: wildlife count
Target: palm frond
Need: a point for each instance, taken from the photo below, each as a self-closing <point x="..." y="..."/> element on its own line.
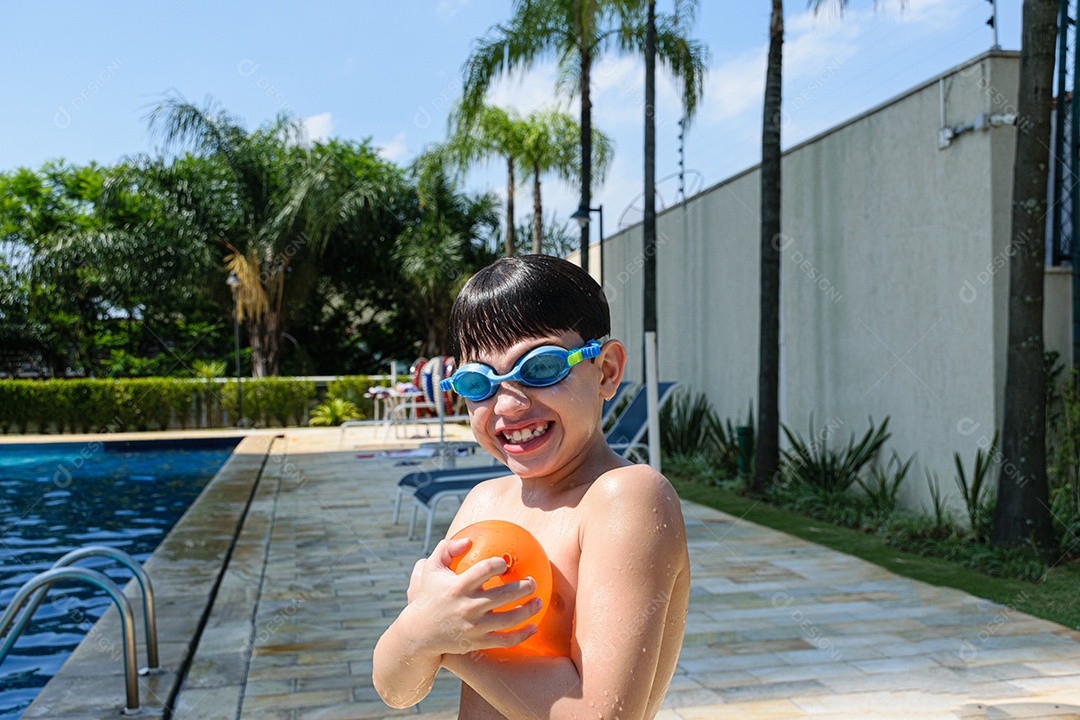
<point x="251" y="299"/>
<point x="685" y="58"/>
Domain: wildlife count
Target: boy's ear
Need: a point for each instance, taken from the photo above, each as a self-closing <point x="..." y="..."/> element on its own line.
<point x="612" y="363"/>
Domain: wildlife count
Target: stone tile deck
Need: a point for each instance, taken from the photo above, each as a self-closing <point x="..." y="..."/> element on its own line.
<point x="777" y="627"/>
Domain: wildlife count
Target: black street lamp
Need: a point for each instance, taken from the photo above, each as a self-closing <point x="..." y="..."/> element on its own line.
<point x="234" y="285"/>
<point x="582" y="217"/>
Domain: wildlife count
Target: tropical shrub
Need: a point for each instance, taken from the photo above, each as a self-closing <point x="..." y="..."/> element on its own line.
<point x="690" y="426"/>
<point x="334" y="411"/>
<point x="816" y="466"/>
<point x="883" y="485"/>
<point x="353" y="388"/>
<point x="980" y="504"/>
<point x="1063" y="457"/>
<point x="115" y="405"/>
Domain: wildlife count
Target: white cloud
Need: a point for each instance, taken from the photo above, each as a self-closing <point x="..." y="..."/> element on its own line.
<point x="816" y="46"/>
<point x="395" y="150"/>
<point x="448" y="9"/>
<point x="615" y="71"/>
<point x="735" y="86"/>
<point x="527" y="91"/>
<point x="317" y="128"/>
<point x="808" y="54"/>
<point x="935" y="14"/>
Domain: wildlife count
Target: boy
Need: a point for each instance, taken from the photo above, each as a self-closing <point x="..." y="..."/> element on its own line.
<point x="613" y="531"/>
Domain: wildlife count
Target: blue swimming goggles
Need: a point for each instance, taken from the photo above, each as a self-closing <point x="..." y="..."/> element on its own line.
<point x="540" y="367"/>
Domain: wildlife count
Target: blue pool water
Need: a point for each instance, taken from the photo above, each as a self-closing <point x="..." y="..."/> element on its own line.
<point x="58" y="497"/>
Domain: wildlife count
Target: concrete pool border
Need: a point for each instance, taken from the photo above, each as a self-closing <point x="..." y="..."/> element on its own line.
<point x="187" y="570"/>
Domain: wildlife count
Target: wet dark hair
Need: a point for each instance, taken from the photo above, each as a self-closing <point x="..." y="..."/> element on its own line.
<point x="527" y="296"/>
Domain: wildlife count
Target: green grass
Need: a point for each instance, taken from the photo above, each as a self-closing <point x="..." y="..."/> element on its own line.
<point x="1052" y="599"/>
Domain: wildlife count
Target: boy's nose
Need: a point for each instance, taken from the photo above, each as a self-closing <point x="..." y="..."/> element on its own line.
<point x="510" y="398"/>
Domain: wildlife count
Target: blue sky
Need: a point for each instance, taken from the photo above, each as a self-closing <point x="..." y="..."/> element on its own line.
<point x="80" y="76"/>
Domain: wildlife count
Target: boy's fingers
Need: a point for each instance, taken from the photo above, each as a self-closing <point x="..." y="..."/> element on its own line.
<point x="509" y="638"/>
<point x="458" y="546"/>
<point x="483" y="571"/>
<point x="506" y="619"/>
<point x="510" y="592"/>
<point x="443" y="554"/>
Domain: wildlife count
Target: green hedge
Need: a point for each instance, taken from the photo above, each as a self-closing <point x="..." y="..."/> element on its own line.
<point x="116" y="405"/>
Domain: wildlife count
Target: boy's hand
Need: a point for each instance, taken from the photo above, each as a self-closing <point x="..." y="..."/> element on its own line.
<point x="451" y="613"/>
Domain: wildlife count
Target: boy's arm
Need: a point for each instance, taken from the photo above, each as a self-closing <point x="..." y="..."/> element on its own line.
<point x="633" y="546"/>
<point x="446" y="613"/>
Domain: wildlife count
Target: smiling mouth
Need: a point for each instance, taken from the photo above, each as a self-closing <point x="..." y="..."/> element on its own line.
<point x="525" y="434"/>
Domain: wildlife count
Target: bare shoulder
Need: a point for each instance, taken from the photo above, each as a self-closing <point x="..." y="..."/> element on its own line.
<point x="481" y="499"/>
<point x="640" y="486"/>
<point x="633" y="499"/>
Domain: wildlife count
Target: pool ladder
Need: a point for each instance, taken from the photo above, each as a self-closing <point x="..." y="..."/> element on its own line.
<point x="33" y="592"/>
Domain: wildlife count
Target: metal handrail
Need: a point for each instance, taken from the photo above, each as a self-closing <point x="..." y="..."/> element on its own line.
<point x="153" y="665"/>
<point x="44" y="581"/>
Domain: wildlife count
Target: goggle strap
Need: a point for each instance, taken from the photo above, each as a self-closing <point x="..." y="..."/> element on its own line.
<point x="588" y="352"/>
<point x="447" y="384"/>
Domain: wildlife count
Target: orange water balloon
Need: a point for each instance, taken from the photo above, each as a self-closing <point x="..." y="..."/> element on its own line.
<point x="524" y="557"/>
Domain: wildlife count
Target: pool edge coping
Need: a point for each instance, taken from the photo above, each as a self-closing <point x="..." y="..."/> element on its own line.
<point x="91" y="682"/>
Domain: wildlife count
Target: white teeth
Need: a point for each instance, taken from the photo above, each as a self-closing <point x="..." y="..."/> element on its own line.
<point x="520" y="436"/>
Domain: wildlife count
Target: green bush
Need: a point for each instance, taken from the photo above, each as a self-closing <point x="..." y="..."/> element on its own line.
<point x="980" y="504"/>
<point x="689" y="426"/>
<point x="333" y="412"/>
<point x="829" y="471"/>
<point x="881" y="489"/>
<point x="352" y="388"/>
<point x="268" y="401"/>
<point x="14" y="411"/>
<point x="116" y="405"/>
<point x="942" y="519"/>
<point x="1063" y="458"/>
<point x="835" y="506"/>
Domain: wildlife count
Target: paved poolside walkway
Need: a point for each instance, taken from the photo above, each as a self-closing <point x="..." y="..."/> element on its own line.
<point x="777" y="628"/>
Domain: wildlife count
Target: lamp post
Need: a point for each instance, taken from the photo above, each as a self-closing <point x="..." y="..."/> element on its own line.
<point x="582" y="217"/>
<point x="234" y="285"/>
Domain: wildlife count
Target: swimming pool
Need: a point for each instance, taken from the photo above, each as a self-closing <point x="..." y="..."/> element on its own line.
<point x="58" y="497"/>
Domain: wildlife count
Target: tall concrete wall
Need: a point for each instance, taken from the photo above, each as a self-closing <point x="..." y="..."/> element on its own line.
<point x="893" y="274"/>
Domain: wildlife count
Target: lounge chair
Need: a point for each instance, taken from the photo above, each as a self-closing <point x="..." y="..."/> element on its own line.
<point x="624" y="437"/>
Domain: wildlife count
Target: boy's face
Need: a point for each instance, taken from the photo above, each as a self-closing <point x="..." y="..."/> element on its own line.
<point x="538" y="430"/>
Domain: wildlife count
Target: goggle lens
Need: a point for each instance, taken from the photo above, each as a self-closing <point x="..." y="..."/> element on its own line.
<point x="472" y="385"/>
<point x="540" y="368"/>
<point x="544" y="369"/>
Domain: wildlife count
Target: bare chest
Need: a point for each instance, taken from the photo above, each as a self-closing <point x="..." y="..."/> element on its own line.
<point x="557" y="532"/>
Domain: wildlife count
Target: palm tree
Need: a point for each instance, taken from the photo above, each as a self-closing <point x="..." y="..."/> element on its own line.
<point x="486" y="133"/>
<point x="576" y="32"/>
<point x="1023" y="511"/>
<point x="550" y="144"/>
<point x="767" y="450"/>
<point x="442" y="247"/>
<point x="284" y="200"/>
